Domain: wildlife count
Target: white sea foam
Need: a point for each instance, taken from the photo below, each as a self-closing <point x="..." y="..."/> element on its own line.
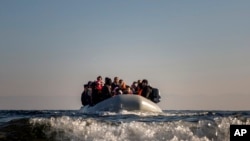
<point x="125" y="112"/>
<point x="77" y="129"/>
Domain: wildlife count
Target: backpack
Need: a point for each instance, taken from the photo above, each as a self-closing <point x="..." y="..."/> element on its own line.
<point x="155" y="95"/>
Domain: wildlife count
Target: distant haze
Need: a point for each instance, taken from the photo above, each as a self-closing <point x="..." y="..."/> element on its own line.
<point x="195" y="52"/>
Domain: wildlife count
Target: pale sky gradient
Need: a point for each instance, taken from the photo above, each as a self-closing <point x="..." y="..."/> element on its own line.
<point x="196" y="52"/>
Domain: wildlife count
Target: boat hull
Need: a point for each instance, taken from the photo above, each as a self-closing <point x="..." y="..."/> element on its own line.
<point x="123" y="102"/>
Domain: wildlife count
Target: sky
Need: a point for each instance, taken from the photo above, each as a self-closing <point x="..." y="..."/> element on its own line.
<point x="196" y="52"/>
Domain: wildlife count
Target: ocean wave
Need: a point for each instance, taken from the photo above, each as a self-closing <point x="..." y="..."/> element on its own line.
<point x="172" y="126"/>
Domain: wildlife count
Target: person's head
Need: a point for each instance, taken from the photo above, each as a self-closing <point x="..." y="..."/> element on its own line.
<point x="108" y="81"/>
<point x="85" y="86"/>
<point x="121" y="81"/>
<point x="135" y="84"/>
<point x="144" y="82"/>
<point x="116" y="79"/>
<point x="99" y="78"/>
<point x="122" y="84"/>
<point x="89" y="83"/>
<point x="139" y="81"/>
<point x="128" y="90"/>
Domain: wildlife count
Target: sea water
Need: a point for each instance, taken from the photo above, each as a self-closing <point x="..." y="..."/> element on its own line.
<point x="71" y="125"/>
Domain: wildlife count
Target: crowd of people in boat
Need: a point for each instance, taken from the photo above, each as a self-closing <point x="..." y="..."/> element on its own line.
<point x="97" y="91"/>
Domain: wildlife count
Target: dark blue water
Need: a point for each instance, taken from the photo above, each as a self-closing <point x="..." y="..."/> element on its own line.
<point x="39" y="125"/>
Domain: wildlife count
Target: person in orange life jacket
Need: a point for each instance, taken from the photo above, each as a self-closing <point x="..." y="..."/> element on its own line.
<point x="139" y="89"/>
<point x="146" y="89"/>
<point x="139" y="86"/>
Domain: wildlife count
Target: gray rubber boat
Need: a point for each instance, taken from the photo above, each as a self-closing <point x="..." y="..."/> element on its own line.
<point x="123" y="102"/>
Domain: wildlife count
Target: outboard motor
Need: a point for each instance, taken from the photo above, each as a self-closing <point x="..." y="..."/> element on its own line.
<point x="155" y="96"/>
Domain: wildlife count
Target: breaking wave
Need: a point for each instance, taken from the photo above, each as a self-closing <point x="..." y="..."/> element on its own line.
<point x="125" y="126"/>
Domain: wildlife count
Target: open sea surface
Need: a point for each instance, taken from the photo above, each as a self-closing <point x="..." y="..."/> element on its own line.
<point x="71" y="125"/>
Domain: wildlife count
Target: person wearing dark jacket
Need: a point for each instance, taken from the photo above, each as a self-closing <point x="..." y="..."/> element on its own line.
<point x="146" y="89"/>
<point x="84" y="96"/>
<point x="106" y="90"/>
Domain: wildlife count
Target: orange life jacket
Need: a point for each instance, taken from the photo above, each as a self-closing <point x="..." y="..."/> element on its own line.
<point x="139" y="91"/>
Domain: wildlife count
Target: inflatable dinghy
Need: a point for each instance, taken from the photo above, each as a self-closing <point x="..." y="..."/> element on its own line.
<point x="126" y="102"/>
